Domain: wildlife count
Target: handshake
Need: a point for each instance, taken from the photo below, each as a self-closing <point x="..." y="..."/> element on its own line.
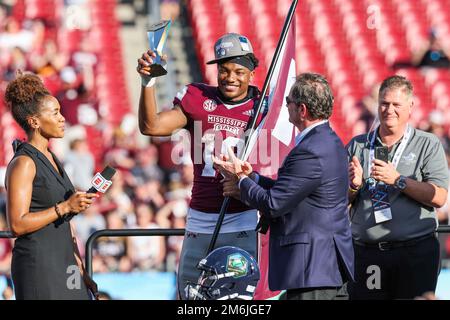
<point x="232" y="170"/>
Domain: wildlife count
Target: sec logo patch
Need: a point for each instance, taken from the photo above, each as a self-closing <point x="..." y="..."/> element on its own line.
<point x="209" y="105"/>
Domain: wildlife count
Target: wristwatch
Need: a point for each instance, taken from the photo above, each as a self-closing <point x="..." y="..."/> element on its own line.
<point x="400" y="183"/>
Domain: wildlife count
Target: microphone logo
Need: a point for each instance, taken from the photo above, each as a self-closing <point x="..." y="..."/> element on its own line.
<point x="100" y="183"/>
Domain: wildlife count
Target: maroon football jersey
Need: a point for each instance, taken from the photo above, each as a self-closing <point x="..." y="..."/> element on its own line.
<point x="213" y="126"/>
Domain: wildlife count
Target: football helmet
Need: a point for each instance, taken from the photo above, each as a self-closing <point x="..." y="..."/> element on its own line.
<point x="228" y="273"/>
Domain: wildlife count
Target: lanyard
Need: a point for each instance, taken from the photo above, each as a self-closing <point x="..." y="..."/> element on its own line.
<point x="398" y="153"/>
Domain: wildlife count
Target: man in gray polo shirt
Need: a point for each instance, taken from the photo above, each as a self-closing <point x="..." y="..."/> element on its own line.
<point x="393" y="202"/>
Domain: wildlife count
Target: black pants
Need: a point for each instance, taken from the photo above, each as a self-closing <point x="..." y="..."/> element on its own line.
<point x="324" y="293"/>
<point x="398" y="273"/>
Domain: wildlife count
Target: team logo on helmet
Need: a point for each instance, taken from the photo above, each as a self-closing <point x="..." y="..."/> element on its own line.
<point x="238" y="264"/>
<point x="209" y="105"/>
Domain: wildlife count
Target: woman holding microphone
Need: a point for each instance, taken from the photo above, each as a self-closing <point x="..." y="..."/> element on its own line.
<point x="41" y="200"/>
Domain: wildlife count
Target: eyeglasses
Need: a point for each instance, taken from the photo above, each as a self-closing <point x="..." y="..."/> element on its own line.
<point x="289" y="101"/>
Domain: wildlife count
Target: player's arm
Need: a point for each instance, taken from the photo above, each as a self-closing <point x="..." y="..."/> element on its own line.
<point x="152" y="122"/>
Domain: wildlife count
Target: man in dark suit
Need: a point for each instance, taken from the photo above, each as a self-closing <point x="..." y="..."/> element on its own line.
<point x="311" y="253"/>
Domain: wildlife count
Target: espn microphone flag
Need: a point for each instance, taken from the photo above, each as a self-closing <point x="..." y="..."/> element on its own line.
<point x="277" y="136"/>
<point x="102" y="181"/>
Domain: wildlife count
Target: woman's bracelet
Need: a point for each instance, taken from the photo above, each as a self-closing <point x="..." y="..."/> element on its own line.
<point x="57" y="210"/>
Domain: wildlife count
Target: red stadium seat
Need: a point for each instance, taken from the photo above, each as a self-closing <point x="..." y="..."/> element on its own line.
<point x="335" y="38"/>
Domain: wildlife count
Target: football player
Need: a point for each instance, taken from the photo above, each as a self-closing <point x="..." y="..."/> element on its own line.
<point x="216" y="117"/>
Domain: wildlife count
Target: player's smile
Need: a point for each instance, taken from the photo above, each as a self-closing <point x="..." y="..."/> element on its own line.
<point x="230" y="87"/>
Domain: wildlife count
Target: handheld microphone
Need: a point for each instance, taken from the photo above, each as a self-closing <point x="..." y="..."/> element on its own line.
<point x="102" y="181"/>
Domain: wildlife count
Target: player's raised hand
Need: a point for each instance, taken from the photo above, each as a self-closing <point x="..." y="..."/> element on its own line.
<point x="144" y="63"/>
<point x="146" y="60"/>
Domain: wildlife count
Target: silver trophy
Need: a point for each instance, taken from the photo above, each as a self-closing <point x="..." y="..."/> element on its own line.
<point x="157" y="36"/>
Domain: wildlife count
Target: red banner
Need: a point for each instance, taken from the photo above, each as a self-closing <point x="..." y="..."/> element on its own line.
<point x="273" y="140"/>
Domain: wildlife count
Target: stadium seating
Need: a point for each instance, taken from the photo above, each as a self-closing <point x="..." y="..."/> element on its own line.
<point x="354" y="43"/>
<point x="110" y="85"/>
<point x="110" y="74"/>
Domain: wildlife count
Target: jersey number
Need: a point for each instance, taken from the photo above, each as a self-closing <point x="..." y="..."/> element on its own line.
<point x="208" y="140"/>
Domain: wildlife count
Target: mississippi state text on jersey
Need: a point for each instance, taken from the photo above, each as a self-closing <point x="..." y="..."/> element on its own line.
<point x="213" y="126"/>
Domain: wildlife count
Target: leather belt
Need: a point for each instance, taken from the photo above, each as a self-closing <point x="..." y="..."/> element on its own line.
<point x="388" y="245"/>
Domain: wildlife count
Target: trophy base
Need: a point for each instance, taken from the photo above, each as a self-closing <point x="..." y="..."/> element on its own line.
<point x="157" y="70"/>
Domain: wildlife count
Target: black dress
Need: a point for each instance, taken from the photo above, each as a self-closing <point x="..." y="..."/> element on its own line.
<point x="43" y="262"/>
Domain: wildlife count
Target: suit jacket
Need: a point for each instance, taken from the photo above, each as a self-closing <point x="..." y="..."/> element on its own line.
<point x="310" y="237"/>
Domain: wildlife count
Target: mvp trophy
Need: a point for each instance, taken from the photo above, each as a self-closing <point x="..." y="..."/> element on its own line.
<point x="157" y="36"/>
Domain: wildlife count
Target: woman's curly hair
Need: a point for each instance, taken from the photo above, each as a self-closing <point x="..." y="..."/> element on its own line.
<point x="24" y="96"/>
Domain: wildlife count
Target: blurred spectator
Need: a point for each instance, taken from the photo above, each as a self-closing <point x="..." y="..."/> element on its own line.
<point x="146" y="167"/>
<point x="98" y="265"/>
<point x="14" y="36"/>
<point x="436" y="126"/>
<point x="84" y="61"/>
<point x="181" y="181"/>
<point x="170" y="9"/>
<point x="77" y="104"/>
<point x="433" y="54"/>
<point x="87" y="223"/>
<point x="68" y="94"/>
<point x="116" y="195"/>
<point x="120" y="153"/>
<point x="369" y="106"/>
<point x="146" y="252"/>
<point x="48" y="65"/>
<point x="79" y="164"/>
<point x="39" y="35"/>
<point x="113" y="250"/>
<point x="178" y="209"/>
<point x="165" y="147"/>
<point x="15" y="60"/>
<point x="149" y="193"/>
<point x="51" y="61"/>
<point x="145" y="174"/>
<point x="3" y="17"/>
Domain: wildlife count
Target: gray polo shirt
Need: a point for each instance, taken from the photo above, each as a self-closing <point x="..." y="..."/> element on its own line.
<point x="422" y="160"/>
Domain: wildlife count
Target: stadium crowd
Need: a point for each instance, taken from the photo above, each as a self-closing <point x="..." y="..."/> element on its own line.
<point x="149" y="190"/>
<point x="143" y="195"/>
